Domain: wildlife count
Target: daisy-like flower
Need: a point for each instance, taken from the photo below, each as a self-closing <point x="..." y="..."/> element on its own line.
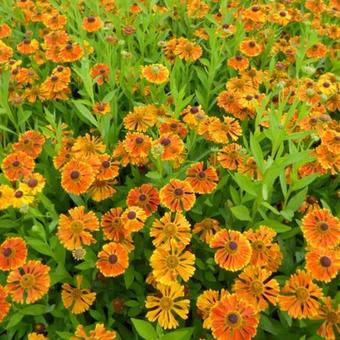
<point x="22" y="196"/>
<point x="323" y="264"/>
<point x="88" y="146"/>
<point x="167" y="265"/>
<point x="99" y="333"/>
<point x="75" y="230"/>
<point x="134" y="218"/>
<point x="100" y="72"/>
<point x="156" y="73"/>
<point x="169" y="304"/>
<point x="77" y="176"/>
<point x="255" y="286"/>
<point x="6" y="52"/>
<point x="4" y="305"/>
<point x="265" y="253"/>
<point x="230" y="156"/>
<point x="207" y="228"/>
<point x="17" y="165"/>
<point x="31" y="142"/>
<point x="223" y="132"/>
<point x="112" y="260"/>
<point x="6" y="194"/>
<point x="187" y="50"/>
<point x="137" y="144"/>
<point x="35" y="182"/>
<point x="13" y="253"/>
<point x="233" y="249"/>
<point x="300" y="296"/>
<point x="36" y="336"/>
<point x="101" y="190"/>
<point x="92" y="24"/>
<point x="113" y="225"/>
<point x="101" y="108"/>
<point x="146" y="197"/>
<point x="330" y="328"/>
<point x="77" y="299"/>
<point x="172" y="145"/>
<point x="321" y="229"/>
<point x="141" y="118"/>
<point x="177" y="195"/>
<point x="238" y="62"/>
<point x="202" y="181"/>
<point x="233" y="318"/>
<point x="171" y="229"/>
<point x="109" y="168"/>
<point x="206" y="301"/>
<point x="250" y="48"/>
<point x="71" y="52"/>
<point x="29" y="283"/>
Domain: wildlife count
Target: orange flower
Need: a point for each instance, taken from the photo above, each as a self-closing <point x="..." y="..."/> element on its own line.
<point x="5" y="31"/>
<point x="71" y="52"/>
<point x="92" y="24"/>
<point x="88" y="146"/>
<point x="168" y="264"/>
<point x="233" y="318"/>
<point x="323" y="264"/>
<point x="28" y="46"/>
<point x="109" y="168"/>
<point x="113" y="225"/>
<point x="230" y="156"/>
<point x="137" y="144"/>
<point x="264" y="253"/>
<point x="31" y="143"/>
<point x="222" y="132"/>
<point x="77" y="177"/>
<point x="101" y="190"/>
<point x="255" y="286"/>
<point x="13" y="253"/>
<point x="238" y="62"/>
<point x="250" y="48"/>
<point x="134" y="218"/>
<point x="6" y="53"/>
<point x="29" y="283"/>
<point x="300" y="296"/>
<point x="331" y="139"/>
<point x="4" y="305"/>
<point x="99" y="333"/>
<point x="101" y="108"/>
<point x="177" y="195"/>
<point x="100" y="72"/>
<point x="233" y="249"/>
<point x="321" y="229"/>
<point x="202" y="181"/>
<point x="208" y="227"/>
<point x="146" y="197"/>
<point x="17" y="165"/>
<point x="76" y="299"/>
<point x="112" y="260"/>
<point x="206" y="301"/>
<point x="155" y="73"/>
<point x="317" y="51"/>
<point x="173" y="126"/>
<point x="187" y="50"/>
<point x="171" y="144"/>
<point x="171" y="230"/>
<point x="75" y="230"/>
<point x="141" y="118"/>
<point x="331" y="317"/>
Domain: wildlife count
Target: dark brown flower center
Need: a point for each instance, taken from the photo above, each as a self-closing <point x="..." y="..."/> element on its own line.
<point x="91" y="19"/>
<point x="16" y="163"/>
<point x="201" y="174"/>
<point x="142" y="197"/>
<point x="32" y="182"/>
<point x="326" y="84"/>
<point x="283" y="14"/>
<point x="113" y="259"/>
<point x="232" y="245"/>
<point x="251" y="44"/>
<point x="131" y="215"/>
<point x="325" y="261"/>
<point x="75" y="174"/>
<point x="18" y="194"/>
<point x="106" y="164"/>
<point x="233" y="318"/>
<point x="165" y="141"/>
<point x="194" y="109"/>
<point x="139" y="140"/>
<point x="54" y="78"/>
<point x="7" y="252"/>
<point x="324" y="226"/>
<point x="178" y="192"/>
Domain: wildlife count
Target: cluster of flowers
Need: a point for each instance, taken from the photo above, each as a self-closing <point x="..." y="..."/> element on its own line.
<point x="154" y="137"/>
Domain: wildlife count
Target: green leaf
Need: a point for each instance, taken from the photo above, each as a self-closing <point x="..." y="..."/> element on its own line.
<point x="180" y="334"/>
<point x="64" y="335"/>
<point x="257" y="152"/>
<point x="129" y="276"/>
<point x="144" y="329"/>
<point x="241" y="213"/>
<point x="84" y="113"/>
<point x="36" y="310"/>
<point x="275" y="225"/>
<point x="246" y="184"/>
<point x="15" y="319"/>
<point x="39" y="246"/>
